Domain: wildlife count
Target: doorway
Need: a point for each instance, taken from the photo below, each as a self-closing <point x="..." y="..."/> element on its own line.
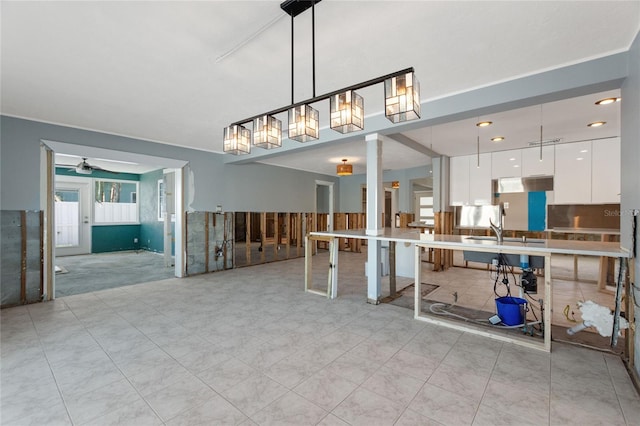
<point x="72" y="221"/>
<point x="110" y="221"/>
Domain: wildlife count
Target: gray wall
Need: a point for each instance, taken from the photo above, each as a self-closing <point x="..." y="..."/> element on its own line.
<point x="252" y="187"/>
<point x="350" y="198"/>
<point x="630" y="152"/>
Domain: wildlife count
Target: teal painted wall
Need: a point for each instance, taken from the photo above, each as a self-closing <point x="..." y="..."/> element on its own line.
<point x="106" y="238"/>
<point x="64" y="171"/>
<point x="151" y="229"/>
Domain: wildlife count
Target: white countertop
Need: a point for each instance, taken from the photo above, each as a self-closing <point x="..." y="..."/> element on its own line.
<point x="461" y="242"/>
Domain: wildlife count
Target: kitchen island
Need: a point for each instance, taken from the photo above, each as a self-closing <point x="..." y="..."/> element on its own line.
<point x="543" y="248"/>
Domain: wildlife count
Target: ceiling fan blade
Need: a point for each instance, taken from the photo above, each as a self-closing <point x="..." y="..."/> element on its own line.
<point x="102" y="170"/>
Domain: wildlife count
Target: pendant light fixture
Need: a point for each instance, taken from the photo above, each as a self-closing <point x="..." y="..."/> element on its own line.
<point x="402" y="103"/>
<point x="402" y="98"/>
<point x="237" y="140"/>
<point x="347" y="112"/>
<point x="267" y="132"/>
<point x="303" y="119"/>
<point x="344" y="169"/>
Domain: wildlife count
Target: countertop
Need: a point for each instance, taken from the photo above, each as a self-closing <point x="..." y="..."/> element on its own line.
<point x="460" y="242"/>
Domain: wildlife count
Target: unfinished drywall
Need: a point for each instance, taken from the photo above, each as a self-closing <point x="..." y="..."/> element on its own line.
<point x="209" y="242"/>
<point x="21" y="257"/>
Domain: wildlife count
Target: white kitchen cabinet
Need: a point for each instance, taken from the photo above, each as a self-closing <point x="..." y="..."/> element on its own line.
<point x="531" y="164"/>
<point x="605" y="171"/>
<point x="505" y="164"/>
<point x="480" y="179"/>
<point x="459" y="181"/>
<point x="572" y="180"/>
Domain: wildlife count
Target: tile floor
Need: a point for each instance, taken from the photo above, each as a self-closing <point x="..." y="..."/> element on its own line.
<point x="248" y="346"/>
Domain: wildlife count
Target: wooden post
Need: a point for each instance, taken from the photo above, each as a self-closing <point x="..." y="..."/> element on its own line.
<point x="392" y="268"/>
<point x="263" y="235"/>
<point x="41" y="254"/>
<point x="288" y="228"/>
<point x="206" y="240"/>
<point x="248" y="237"/>
<point x="23" y="257"/>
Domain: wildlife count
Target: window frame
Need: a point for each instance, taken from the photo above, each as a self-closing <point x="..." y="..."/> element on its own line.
<point x="93" y="204"/>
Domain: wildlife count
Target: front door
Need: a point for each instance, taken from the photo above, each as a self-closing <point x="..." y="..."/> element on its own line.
<point x="72" y="223"/>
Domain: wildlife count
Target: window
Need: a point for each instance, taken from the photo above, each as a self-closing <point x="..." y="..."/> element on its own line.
<point x="162" y="204"/>
<point x="425" y="207"/>
<point x="115" y="201"/>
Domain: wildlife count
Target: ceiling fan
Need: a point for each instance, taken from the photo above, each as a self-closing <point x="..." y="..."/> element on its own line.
<point x="84" y="168"/>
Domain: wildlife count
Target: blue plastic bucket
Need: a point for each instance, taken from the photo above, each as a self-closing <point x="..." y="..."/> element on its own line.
<point x="511" y="310"/>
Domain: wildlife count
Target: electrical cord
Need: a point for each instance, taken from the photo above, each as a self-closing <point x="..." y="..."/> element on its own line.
<point x="476" y="320"/>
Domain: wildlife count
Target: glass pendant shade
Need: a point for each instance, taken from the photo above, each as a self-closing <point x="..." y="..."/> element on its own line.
<point x="267" y="132"/>
<point x="402" y="98"/>
<point x="344" y="169"/>
<point x="237" y="140"/>
<point x="303" y="123"/>
<point x="347" y="112"/>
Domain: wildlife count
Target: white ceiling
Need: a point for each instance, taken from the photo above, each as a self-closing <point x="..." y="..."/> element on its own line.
<point x="179" y="72"/>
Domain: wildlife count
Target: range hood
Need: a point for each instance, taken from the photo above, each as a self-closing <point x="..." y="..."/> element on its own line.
<point x="528" y="184"/>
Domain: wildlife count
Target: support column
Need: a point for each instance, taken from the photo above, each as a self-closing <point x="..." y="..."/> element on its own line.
<point x="375" y="224"/>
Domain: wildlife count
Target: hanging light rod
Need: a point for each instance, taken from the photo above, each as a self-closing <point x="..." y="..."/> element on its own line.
<point x="401" y="95"/>
<point x="326" y="96"/>
<point x="296" y="7"/>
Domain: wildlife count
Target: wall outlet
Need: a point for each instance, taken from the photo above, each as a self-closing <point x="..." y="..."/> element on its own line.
<point x="494" y="262"/>
<point x="135" y="241"/>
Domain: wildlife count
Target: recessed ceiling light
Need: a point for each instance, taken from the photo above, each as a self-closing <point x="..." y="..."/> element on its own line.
<point x="516" y="165"/>
<point x="497" y="139"/>
<point x="597" y="124"/>
<point x="579" y="158"/>
<point x="512" y="159"/>
<point x="607" y="101"/>
<point x="584" y="150"/>
<point x="484" y="123"/>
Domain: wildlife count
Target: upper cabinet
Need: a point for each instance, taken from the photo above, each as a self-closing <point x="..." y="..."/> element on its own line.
<point x="480" y="179"/>
<point x="583" y="172"/>
<point x="605" y="171"/>
<point x="470" y="180"/>
<point x="533" y="166"/>
<point x="572" y="180"/>
<point x="505" y="164"/>
<point x="459" y="181"/>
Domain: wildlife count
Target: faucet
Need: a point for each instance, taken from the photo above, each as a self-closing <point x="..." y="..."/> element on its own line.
<point x="498" y="229"/>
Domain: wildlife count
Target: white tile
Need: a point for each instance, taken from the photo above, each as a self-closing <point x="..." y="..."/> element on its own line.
<point x="325" y="389"/>
<point x="91" y="405"/>
<point x="291" y="410"/>
<point x="444" y="406"/>
<point x="135" y="413"/>
<point x="227" y="374"/>
<point x="180" y="396"/>
<point x="464" y="381"/>
<point x="253" y="394"/>
<point x="394" y="386"/>
<point x="353" y="368"/>
<point x="215" y="411"/>
<point x="366" y="408"/>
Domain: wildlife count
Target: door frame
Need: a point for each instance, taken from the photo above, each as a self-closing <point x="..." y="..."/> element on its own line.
<point x="315" y="208"/>
<point x="85" y="221"/>
<point x="47" y="192"/>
